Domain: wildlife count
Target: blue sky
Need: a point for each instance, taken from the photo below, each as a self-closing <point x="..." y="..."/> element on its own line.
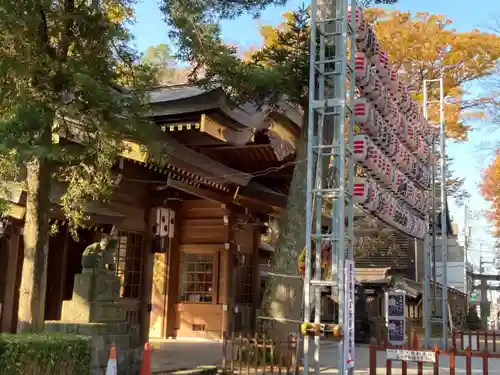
<point x="149" y="30"/>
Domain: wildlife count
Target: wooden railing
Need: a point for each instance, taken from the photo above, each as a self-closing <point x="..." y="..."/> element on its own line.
<point x="476" y="340"/>
<point x="452" y="355"/>
<point x="245" y="354"/>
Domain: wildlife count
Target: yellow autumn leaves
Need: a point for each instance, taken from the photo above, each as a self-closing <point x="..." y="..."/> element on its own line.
<point x="424" y="46"/>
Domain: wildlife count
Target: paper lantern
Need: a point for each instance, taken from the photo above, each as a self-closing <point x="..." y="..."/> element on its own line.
<point x="387" y="208"/>
<point x="391" y="82"/>
<point x="382" y="68"/>
<point x="385" y="140"/>
<point x="366" y="153"/>
<point x="402" y="157"/>
<point x="423" y="152"/>
<point x="366" y="193"/>
<point x="405" y="99"/>
<point x="366" y="42"/>
<point x="410" y="135"/>
<point x="365" y="116"/>
<point x="360" y="22"/>
<point x="401" y="218"/>
<point x="394" y="146"/>
<point x="362" y="70"/>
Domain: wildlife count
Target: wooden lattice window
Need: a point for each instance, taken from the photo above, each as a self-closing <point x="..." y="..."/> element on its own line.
<point x="244" y="280"/>
<point x="129" y="263"/>
<point x="197" y="277"/>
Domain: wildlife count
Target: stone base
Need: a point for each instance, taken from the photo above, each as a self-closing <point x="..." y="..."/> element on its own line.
<point x="97" y="285"/>
<point x="78" y="310"/>
<point x="125" y="338"/>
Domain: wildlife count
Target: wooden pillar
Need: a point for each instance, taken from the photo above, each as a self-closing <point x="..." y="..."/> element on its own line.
<point x="147" y="275"/>
<point x="255" y="277"/>
<point x="227" y="267"/>
<point x="173" y="277"/>
<point x="9" y="297"/>
<point x="56" y="274"/>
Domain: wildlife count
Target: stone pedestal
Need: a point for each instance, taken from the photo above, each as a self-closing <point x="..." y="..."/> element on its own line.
<point x="95" y="299"/>
<point x="95" y="311"/>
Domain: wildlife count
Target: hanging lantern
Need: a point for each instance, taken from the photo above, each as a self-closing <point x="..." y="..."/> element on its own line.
<point x="163" y="230"/>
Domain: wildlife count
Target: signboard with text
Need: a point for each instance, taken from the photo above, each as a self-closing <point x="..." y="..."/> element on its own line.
<point x="349" y="301"/>
<point x="411" y="355"/>
<point x="395" y="304"/>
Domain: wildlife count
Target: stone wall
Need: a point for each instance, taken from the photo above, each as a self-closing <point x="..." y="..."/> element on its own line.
<point x="124" y="336"/>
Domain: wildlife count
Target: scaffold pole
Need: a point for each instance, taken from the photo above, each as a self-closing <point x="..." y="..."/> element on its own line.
<point x="330" y="103"/>
<point x="430" y="263"/>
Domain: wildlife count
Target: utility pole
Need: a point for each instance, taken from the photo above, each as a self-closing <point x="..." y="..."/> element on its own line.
<point x="466" y="253"/>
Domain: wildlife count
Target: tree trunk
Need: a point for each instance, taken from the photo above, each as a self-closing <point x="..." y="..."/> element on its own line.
<point x="36" y="231"/>
<point x="282" y="302"/>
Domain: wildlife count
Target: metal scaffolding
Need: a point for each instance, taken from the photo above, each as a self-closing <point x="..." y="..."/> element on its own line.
<point x="431" y="298"/>
<point x="330" y="170"/>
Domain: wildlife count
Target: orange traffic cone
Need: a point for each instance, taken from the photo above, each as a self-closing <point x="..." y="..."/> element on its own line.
<point x="112" y="365"/>
<point x="146" y="360"/>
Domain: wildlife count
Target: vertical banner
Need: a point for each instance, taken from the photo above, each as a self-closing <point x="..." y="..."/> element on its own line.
<point x="395" y="303"/>
<point x="349" y="300"/>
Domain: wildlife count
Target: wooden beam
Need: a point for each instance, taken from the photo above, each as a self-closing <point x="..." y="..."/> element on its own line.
<point x="179" y="156"/>
<point x="241" y="205"/>
<point x="200" y="193"/>
<point x="256" y="192"/>
<point x="212" y="128"/>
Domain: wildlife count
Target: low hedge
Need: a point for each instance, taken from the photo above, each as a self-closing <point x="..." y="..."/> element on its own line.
<point x="44" y="354"/>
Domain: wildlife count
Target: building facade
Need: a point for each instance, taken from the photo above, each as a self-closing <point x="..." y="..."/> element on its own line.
<point x="188" y="248"/>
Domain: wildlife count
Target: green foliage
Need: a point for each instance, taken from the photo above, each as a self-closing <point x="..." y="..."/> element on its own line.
<point x="67" y="65"/>
<point x="473" y="320"/>
<point x="44" y="355"/>
<point x="265" y="77"/>
<point x="164" y="66"/>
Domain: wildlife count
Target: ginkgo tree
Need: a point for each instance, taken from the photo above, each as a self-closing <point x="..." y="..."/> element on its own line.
<point x="65" y="65"/>
<point x="280" y="68"/>
<point x="490" y="189"/>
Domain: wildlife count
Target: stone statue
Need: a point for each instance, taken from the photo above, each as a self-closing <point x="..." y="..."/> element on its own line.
<point x="101" y="255"/>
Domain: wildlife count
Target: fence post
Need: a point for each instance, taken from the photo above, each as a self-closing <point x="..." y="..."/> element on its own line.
<point x="478" y="340"/>
<point x="264" y="354"/>
<point x="436" y="364"/>
<point x="486" y="339"/>
<point x="468" y="364"/>
<point x="454" y="339"/>
<point x="494" y="341"/>
<point x="296" y="339"/>
<point x="248" y="344"/>
<point x="461" y="340"/>
<point x="231" y="360"/>
<point x="485" y="361"/>
<point x="224" y="349"/>
<point x="388" y="362"/>
<point x="452" y="361"/>
<point x="373" y="356"/>
<point x="239" y="350"/>
<point x="416" y="345"/>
